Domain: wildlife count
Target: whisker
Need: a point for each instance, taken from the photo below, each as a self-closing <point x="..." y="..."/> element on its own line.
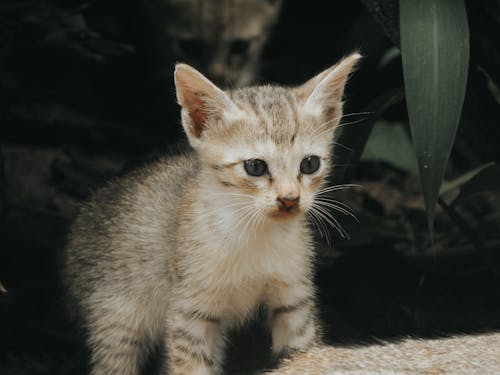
<point x="324" y="126"/>
<point x="357" y="113"/>
<point x="319" y="225"/>
<point x="318" y="133"/>
<point x="341" y="145"/>
<point x="349" y="123"/>
<point x="338" y="208"/>
<point x="252" y="228"/>
<point x="247" y="211"/>
<point x="235" y="204"/>
<point x="336" y="187"/>
<point x="328" y="198"/>
<point x="333" y="221"/>
<point x="242" y="220"/>
<point x="324" y="221"/>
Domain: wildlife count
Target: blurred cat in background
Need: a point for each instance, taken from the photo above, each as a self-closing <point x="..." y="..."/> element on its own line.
<point x="223" y="38"/>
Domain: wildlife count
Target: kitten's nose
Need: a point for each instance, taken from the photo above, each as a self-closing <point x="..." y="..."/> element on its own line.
<point x="288" y="203"/>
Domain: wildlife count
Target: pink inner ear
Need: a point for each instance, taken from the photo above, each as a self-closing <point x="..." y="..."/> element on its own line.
<point x="196" y="112"/>
<point x="198" y="117"/>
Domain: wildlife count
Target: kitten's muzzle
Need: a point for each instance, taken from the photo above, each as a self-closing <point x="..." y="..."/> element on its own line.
<point x="288" y="203"/>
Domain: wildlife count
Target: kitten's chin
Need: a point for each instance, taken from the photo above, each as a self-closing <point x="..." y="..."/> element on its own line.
<point x="284" y="215"/>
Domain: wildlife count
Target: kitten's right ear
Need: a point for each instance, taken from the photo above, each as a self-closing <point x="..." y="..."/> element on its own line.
<point x="200" y="99"/>
<point x="322" y="94"/>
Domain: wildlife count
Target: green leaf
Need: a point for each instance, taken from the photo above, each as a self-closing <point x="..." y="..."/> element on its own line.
<point x="487" y="179"/>
<point x="390" y="143"/>
<point x="463" y="179"/>
<point x="435" y="54"/>
<point x="492" y="86"/>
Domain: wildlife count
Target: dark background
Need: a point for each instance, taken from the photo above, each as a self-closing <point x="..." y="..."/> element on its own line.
<point x="81" y="102"/>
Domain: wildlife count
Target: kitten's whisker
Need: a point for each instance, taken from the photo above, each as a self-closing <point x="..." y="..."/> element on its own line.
<point x="342" y="124"/>
<point x="331" y="220"/>
<point x="242" y="220"/>
<point x="249" y="223"/>
<point x="337" y="118"/>
<point x="259" y="221"/>
<point x="318" y="224"/>
<point x="327" y="199"/>
<point x="247" y="214"/>
<point x="345" y="211"/>
<point x="341" y="145"/>
<point x="262" y="218"/>
<point x="336" y="187"/>
<point x="357" y="114"/>
<point x="322" y="224"/>
<point x="318" y="133"/>
<point x="323" y="128"/>
<point x="236" y="204"/>
<point x="252" y="227"/>
<point x="312" y="219"/>
<point x="325" y="215"/>
<point x="247" y="207"/>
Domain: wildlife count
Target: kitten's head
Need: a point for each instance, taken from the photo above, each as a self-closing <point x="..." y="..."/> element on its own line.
<point x="224" y="38"/>
<point x="267" y="148"/>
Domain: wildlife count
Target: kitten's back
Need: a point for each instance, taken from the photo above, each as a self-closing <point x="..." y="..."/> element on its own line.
<point x="135" y="214"/>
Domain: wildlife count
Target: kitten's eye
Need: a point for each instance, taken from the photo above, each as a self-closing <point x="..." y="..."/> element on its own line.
<point x="309" y="164"/>
<point x="239" y="46"/>
<point x="255" y="167"/>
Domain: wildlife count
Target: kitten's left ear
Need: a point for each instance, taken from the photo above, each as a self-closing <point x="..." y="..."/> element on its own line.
<point x="322" y="95"/>
<point x="202" y="102"/>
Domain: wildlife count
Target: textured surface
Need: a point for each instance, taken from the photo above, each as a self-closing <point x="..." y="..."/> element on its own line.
<point x="458" y="355"/>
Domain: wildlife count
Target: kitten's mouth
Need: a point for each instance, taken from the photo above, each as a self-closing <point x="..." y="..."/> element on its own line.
<point x="284" y="214"/>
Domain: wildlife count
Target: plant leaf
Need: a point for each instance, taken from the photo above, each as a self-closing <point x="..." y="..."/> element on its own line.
<point x="463" y="179"/>
<point x="487" y="179"/>
<point x="435" y="54"/>
<point x="390" y="143"/>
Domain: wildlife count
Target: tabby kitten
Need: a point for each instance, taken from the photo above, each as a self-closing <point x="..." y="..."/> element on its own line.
<point x="224" y="38"/>
<point x="185" y="249"/>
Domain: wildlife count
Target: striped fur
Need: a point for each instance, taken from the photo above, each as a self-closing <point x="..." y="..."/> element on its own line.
<point x="183" y="250"/>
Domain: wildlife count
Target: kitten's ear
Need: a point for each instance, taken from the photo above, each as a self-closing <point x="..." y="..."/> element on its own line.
<point x="322" y="95"/>
<point x="200" y="99"/>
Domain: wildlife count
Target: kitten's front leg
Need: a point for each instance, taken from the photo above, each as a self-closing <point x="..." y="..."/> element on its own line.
<point x="293" y="318"/>
<point x="194" y="344"/>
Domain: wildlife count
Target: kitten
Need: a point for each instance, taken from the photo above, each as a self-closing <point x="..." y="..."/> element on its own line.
<point x="473" y="354"/>
<point x="189" y="247"/>
<point x="224" y="38"/>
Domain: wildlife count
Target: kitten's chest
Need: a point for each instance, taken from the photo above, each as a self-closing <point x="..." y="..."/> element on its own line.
<point x="235" y="280"/>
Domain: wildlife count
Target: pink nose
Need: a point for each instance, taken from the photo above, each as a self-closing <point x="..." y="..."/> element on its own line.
<point x="288" y="203"/>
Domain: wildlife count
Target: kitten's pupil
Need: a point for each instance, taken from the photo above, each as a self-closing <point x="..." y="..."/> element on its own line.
<point x="255" y="167"/>
<point x="190" y="47"/>
<point x="239" y="46"/>
<point x="309" y="164"/>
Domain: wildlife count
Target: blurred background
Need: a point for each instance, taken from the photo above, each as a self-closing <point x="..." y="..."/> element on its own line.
<point x="86" y="93"/>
